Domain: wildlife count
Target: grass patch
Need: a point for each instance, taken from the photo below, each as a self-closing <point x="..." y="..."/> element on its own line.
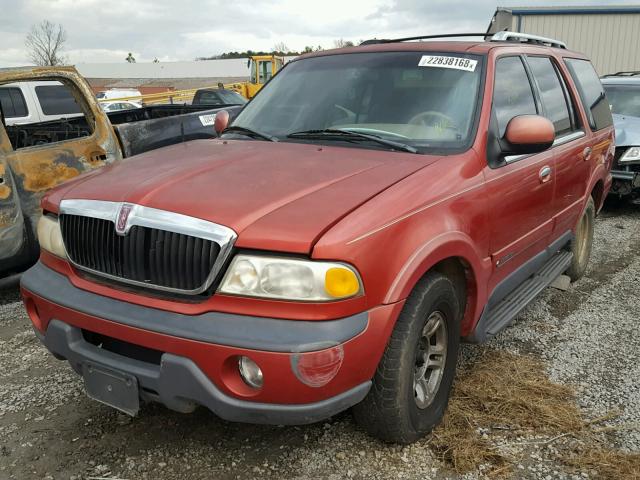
<point x="608" y="464"/>
<point x="512" y="394"/>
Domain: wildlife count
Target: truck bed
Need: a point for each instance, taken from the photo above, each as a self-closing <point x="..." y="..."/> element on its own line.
<point x="138" y="130"/>
<point x="157" y="126"/>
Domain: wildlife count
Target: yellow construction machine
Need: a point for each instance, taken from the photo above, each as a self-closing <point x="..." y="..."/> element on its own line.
<point x="262" y="68"/>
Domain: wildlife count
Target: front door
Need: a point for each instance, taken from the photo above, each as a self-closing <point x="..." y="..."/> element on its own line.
<point x="520" y="188"/>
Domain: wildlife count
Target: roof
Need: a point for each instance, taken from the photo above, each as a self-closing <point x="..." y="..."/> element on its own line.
<point x="573" y="10"/>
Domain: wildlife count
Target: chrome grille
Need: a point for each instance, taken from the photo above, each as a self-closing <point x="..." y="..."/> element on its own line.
<point x="146" y="253"/>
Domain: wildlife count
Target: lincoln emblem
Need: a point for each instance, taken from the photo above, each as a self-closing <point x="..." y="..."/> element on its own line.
<point x="123" y="216"/>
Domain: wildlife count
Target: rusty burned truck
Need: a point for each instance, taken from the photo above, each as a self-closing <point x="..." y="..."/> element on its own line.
<point x="35" y="157"/>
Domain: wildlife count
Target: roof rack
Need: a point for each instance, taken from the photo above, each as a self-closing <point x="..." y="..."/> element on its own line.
<point x="506" y="36"/>
<point x="422" y="37"/>
<point x="622" y="74"/>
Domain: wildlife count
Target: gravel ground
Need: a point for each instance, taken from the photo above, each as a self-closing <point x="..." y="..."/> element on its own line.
<point x="587" y="335"/>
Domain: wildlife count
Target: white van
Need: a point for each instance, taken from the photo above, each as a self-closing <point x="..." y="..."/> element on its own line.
<point x="36" y="102"/>
<point x="118" y="93"/>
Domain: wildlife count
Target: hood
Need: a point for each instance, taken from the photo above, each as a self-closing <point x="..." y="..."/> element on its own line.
<point x="276" y="196"/>
<point x="627" y="130"/>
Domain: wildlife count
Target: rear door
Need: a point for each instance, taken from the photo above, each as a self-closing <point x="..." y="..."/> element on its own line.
<point x="572" y="145"/>
<point x="596" y="116"/>
<point x="520" y="188"/>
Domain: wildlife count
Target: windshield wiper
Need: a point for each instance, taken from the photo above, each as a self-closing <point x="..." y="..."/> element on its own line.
<point x="249" y="133"/>
<point x="352" y="136"/>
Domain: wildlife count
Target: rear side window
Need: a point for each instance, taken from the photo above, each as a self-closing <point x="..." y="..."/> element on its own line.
<point x="57" y="100"/>
<point x="553" y="99"/>
<point x="512" y="94"/>
<point x="13" y="103"/>
<point x="591" y="93"/>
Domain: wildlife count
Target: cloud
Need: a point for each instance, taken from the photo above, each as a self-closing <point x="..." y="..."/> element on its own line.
<point x="100" y="31"/>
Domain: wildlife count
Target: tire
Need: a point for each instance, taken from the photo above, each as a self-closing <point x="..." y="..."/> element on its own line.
<point x="582" y="243"/>
<point x="395" y="409"/>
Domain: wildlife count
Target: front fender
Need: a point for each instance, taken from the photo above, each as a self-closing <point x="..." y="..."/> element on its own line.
<point x="437" y="249"/>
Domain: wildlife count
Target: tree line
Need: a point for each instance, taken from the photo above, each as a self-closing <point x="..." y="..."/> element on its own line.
<point x="45" y="43"/>
<point x="278" y="49"/>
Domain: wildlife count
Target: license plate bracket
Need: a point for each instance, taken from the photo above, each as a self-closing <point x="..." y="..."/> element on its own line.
<point x="116" y="389"/>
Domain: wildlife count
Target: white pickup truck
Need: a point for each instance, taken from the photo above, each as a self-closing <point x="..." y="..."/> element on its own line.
<point x="38" y="101"/>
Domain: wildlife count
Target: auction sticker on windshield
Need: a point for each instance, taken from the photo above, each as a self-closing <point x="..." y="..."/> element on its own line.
<point x="456" y="63"/>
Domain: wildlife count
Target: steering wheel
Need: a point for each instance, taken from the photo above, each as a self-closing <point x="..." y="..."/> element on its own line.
<point x="421" y="119"/>
<point x="344" y="110"/>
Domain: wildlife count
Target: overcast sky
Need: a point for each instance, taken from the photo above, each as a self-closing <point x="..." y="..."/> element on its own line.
<point x="106" y="30"/>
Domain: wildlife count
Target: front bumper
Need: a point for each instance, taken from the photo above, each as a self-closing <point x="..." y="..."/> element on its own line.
<point x="198" y="353"/>
<point x="633" y="177"/>
<point x="625" y="182"/>
<point x="180" y="385"/>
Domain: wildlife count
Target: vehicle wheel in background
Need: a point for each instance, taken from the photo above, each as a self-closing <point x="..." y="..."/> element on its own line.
<point x="413" y="380"/>
<point x="582" y="242"/>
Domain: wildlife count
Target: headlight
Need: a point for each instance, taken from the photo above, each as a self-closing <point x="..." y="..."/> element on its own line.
<point x="50" y="236"/>
<point x="631" y="155"/>
<point x="290" y="279"/>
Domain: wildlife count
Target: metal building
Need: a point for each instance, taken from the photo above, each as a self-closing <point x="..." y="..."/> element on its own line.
<point x="610" y="35"/>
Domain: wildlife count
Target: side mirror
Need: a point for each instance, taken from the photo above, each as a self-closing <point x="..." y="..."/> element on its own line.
<point x="221" y="122"/>
<point x="527" y="134"/>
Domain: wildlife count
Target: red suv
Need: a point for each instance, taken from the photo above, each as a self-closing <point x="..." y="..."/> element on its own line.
<point x="367" y="210"/>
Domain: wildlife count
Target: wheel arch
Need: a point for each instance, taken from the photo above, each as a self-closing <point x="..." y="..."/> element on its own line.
<point x="455" y="256"/>
<point x="597" y="193"/>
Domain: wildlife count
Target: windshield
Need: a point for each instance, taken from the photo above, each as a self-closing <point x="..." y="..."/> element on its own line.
<point x="423" y="99"/>
<point x="624" y="99"/>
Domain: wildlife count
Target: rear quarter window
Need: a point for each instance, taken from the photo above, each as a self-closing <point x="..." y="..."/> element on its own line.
<point x="57" y="100"/>
<point x="591" y="91"/>
<point x="13" y="103"/>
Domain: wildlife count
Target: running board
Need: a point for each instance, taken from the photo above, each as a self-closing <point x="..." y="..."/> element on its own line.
<point x="500" y="316"/>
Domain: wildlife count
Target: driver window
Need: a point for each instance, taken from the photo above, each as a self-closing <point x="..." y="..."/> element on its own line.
<point x="512" y="94"/>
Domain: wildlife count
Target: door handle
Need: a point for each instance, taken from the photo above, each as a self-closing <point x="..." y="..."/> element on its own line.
<point x="545" y="174"/>
<point x="97" y="157"/>
<point x="586" y="153"/>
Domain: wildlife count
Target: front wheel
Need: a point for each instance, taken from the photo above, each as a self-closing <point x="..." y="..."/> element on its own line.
<point x="582" y="242"/>
<point x="413" y="380"/>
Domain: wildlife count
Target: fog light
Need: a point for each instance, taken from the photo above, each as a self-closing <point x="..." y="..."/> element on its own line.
<point x="250" y="372"/>
<point x="316" y="369"/>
